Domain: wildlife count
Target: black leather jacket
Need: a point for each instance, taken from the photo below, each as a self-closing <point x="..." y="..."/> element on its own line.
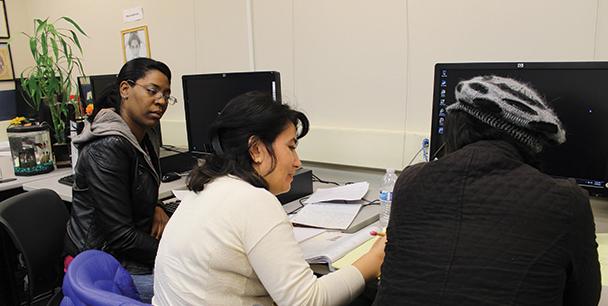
<point x="114" y="195"/>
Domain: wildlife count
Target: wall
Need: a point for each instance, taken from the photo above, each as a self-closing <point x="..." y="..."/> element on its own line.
<point x="362" y="71"/>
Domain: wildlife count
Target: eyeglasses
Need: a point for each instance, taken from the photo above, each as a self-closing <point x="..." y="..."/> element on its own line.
<point x="154" y="92"/>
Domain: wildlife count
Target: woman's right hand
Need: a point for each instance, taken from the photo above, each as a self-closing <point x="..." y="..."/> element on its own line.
<point x="369" y="264"/>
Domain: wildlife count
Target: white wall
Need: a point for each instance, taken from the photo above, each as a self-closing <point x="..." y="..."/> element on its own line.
<point x="362" y="71"/>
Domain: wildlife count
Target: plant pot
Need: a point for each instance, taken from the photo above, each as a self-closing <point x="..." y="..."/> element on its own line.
<point x="62" y="155"/>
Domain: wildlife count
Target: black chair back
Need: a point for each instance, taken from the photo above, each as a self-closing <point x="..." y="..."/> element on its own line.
<point x="35" y="221"/>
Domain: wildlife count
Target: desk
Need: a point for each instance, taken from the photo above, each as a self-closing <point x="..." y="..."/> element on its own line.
<point x="65" y="191"/>
<point x="21" y="180"/>
<point x="339" y="174"/>
<point x="342" y="175"/>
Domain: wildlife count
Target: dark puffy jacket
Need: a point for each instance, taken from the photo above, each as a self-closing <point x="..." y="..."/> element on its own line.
<point x="114" y="196"/>
<point x="481" y="227"/>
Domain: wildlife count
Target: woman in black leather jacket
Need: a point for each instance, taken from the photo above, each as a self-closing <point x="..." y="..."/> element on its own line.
<point x="115" y="191"/>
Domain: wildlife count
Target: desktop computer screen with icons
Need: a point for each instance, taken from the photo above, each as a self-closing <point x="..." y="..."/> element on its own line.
<point x="576" y="91"/>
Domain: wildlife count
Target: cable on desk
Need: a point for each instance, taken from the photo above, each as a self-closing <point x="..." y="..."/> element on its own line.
<point x="317" y="179"/>
<point x="173" y="149"/>
<point x="300" y="201"/>
<point x="368" y="202"/>
<point x="441" y="147"/>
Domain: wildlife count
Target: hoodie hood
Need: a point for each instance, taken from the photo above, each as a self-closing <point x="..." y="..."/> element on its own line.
<point x="108" y="123"/>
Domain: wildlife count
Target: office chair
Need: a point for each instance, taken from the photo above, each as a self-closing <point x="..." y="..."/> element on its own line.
<point x="96" y="278"/>
<point x="32" y="229"/>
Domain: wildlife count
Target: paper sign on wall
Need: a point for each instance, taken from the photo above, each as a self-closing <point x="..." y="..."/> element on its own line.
<point x="133" y="14"/>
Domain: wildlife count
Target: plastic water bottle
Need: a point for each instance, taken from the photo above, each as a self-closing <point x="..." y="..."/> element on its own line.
<point x="386" y="196"/>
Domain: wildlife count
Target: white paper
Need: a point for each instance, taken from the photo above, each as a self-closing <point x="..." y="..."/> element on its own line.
<point x="333" y="245"/>
<point x="350" y="192"/>
<point x="303" y="233"/>
<point x="180" y="194"/>
<point x="327" y="215"/>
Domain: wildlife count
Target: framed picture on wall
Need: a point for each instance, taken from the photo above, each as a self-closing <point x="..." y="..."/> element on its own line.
<point x="6" y="63"/>
<point x="135" y="43"/>
<point x="3" y="21"/>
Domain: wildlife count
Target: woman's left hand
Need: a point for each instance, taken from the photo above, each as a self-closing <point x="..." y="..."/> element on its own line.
<point x="159" y="222"/>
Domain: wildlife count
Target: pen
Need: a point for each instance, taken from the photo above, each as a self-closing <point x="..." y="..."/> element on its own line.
<point x="376" y="233"/>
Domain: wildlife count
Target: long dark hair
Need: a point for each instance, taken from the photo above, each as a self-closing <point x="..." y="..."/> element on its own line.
<point x="462" y="129"/>
<point x="253" y="114"/>
<point x="132" y="70"/>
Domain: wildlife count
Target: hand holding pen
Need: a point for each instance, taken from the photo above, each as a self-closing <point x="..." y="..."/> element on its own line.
<point x="377" y="233"/>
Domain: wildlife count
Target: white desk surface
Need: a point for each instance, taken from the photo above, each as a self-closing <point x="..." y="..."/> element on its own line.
<point x="22" y="180"/>
<point x="65" y="191"/>
<point x="338" y="174"/>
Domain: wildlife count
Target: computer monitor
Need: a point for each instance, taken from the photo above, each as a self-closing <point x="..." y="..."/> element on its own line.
<point x="100" y="82"/>
<point x="85" y="92"/>
<point x="205" y="95"/>
<point x="576" y="91"/>
<point x="23" y="104"/>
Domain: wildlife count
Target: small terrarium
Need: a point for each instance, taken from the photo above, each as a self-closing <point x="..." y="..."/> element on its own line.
<point x="30" y="148"/>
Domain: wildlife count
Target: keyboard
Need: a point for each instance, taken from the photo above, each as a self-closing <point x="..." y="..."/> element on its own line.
<point x="67" y="180"/>
<point x="170" y="205"/>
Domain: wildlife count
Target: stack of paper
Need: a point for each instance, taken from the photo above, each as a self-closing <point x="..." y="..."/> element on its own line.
<point x="349" y="192"/>
<point x="319" y="213"/>
<point x="329" y="246"/>
<point x="303" y="233"/>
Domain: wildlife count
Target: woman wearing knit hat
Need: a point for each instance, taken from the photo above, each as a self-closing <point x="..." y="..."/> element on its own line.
<point x="482" y="226"/>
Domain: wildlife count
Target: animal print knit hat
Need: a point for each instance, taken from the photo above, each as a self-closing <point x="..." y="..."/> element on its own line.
<point x="510" y="106"/>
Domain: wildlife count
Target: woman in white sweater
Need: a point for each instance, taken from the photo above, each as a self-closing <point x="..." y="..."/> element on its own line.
<point x="230" y="241"/>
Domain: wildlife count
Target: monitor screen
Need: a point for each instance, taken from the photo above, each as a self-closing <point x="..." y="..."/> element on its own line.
<point x="576" y="92"/>
<point x="99" y="83"/>
<point x="85" y="92"/>
<point x="205" y="95"/>
<point x="23" y="103"/>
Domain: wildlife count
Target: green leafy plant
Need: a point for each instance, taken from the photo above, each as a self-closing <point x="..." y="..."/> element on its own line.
<point x="52" y="78"/>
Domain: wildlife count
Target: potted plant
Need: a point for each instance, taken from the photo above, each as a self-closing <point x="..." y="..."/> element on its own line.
<point x="51" y="81"/>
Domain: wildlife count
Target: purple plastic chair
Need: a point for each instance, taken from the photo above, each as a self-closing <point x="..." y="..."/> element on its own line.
<point x="96" y="278"/>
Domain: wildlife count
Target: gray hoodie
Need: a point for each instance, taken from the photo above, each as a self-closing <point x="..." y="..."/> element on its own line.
<point x="108" y="123"/>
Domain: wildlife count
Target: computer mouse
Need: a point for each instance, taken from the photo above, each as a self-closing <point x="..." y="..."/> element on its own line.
<point x="170" y="177"/>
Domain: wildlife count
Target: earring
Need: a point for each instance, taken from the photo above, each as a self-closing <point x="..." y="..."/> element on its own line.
<point x="125" y="97"/>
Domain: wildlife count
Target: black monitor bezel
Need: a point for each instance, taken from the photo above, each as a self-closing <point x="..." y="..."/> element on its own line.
<point x="275" y="76"/>
<point x="95" y="78"/>
<point x="438" y="146"/>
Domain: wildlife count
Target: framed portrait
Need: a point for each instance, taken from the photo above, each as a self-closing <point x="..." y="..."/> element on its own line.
<point x="6" y="63"/>
<point x="4" y="33"/>
<point x="135" y="43"/>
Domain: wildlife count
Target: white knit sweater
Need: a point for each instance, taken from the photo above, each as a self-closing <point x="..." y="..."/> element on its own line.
<point x="232" y="244"/>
